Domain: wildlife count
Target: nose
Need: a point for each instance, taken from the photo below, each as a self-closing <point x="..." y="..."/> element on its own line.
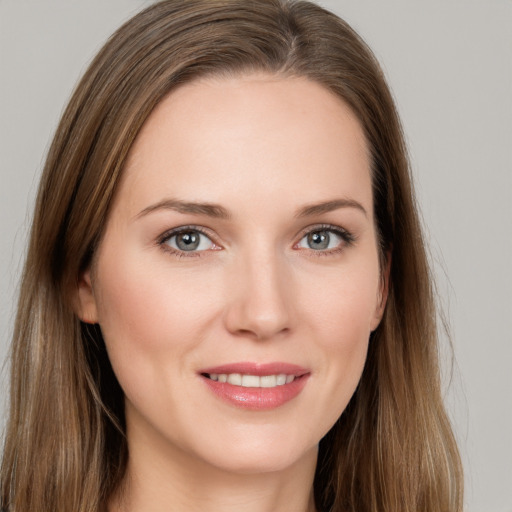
<point x="260" y="298"/>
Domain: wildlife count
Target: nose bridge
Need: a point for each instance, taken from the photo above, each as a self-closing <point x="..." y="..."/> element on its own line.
<point x="260" y="288"/>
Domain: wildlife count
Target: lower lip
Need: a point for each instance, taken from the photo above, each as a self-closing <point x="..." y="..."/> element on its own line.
<point x="257" y="399"/>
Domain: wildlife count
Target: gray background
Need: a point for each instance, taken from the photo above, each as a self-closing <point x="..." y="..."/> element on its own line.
<point x="449" y="64"/>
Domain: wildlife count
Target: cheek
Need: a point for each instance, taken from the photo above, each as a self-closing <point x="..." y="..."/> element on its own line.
<point x="139" y="305"/>
<point x="152" y="320"/>
<point x="345" y="320"/>
<point x="340" y="317"/>
<point x="342" y="302"/>
<point x="147" y="320"/>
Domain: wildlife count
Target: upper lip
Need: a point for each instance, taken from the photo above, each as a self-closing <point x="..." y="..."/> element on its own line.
<point x="259" y="369"/>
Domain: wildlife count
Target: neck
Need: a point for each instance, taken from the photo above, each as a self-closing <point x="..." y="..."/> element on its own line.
<point x="161" y="481"/>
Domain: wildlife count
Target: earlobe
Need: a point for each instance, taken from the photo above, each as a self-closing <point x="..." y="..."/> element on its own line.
<point x="85" y="302"/>
<point x="383" y="292"/>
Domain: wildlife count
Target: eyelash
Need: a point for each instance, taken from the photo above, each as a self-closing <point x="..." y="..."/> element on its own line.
<point x="347" y="238"/>
<point x="165" y="237"/>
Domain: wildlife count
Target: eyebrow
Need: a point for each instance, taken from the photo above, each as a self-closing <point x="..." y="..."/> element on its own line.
<point x="219" y="212"/>
<point x="329" y="206"/>
<point x="208" y="209"/>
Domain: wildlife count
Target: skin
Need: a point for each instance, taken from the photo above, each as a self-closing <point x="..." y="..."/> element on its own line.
<point x="263" y="148"/>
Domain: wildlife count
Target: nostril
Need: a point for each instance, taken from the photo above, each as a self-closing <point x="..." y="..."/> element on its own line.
<point x="260" y="305"/>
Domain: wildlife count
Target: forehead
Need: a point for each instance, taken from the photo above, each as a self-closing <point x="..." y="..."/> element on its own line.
<point x="220" y="139"/>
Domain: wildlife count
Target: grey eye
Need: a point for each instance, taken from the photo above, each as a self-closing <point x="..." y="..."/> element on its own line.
<point x="190" y="240"/>
<point x="321" y="240"/>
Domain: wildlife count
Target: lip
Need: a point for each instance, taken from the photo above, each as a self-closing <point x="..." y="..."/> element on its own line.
<point x="260" y="369"/>
<point x="257" y="399"/>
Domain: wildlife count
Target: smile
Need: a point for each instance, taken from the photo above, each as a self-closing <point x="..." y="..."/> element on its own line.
<point x="252" y="381"/>
<point x="256" y="386"/>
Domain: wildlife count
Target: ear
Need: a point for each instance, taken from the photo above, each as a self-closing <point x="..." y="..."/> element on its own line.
<point x="84" y="300"/>
<point x="383" y="291"/>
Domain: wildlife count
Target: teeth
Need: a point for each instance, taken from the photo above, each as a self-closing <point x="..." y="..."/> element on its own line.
<point x="235" y="379"/>
<point x="253" y="381"/>
<point x="250" y="381"/>
<point x="268" y="381"/>
<point x="281" y="379"/>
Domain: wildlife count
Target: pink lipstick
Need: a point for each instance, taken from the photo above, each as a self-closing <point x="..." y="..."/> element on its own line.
<point x="256" y="386"/>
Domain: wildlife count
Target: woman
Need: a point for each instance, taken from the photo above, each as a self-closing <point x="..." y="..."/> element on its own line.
<point x="226" y="302"/>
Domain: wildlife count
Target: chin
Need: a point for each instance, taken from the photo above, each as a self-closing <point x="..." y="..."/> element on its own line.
<point x="257" y="454"/>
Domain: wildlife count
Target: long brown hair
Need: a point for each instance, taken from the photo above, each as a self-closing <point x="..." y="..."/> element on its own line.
<point x="392" y="449"/>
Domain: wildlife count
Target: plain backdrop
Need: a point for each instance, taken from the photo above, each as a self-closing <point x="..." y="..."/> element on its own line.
<point x="449" y="65"/>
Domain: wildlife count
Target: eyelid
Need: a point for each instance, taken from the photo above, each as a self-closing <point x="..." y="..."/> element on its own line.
<point x="164" y="237"/>
<point x="348" y="237"/>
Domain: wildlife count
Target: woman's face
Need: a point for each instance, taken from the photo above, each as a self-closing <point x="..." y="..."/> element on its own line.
<point x="238" y="279"/>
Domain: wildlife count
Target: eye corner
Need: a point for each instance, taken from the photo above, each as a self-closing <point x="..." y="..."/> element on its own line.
<point x="344" y="239"/>
<point x="193" y="247"/>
